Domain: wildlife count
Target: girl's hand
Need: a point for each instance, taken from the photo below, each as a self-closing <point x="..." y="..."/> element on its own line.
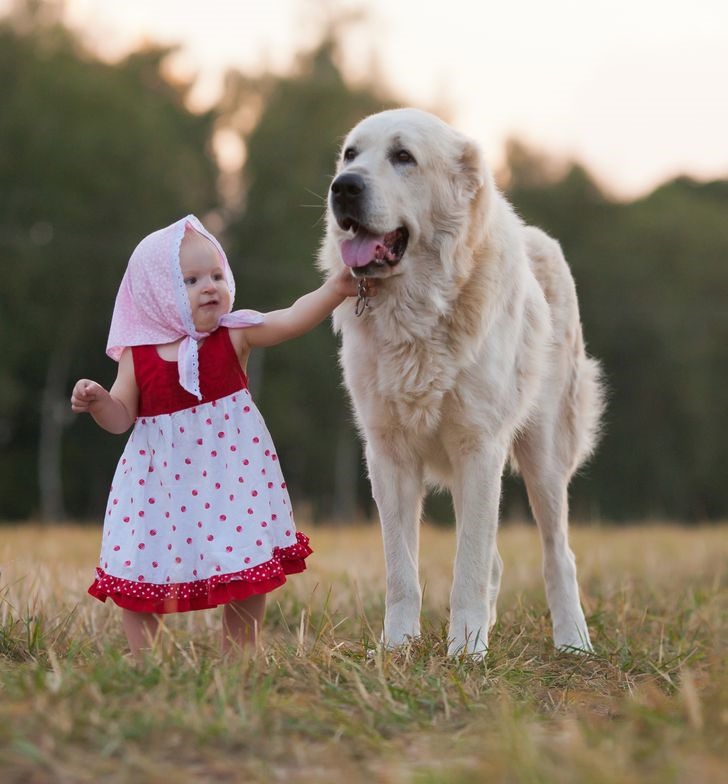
<point x="347" y="285"/>
<point x="115" y="410"/>
<point x="85" y="394"/>
<point x="305" y="313"/>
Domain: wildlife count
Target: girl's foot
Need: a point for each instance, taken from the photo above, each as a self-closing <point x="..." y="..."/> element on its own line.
<point x="141" y="631"/>
<point x="241" y="624"/>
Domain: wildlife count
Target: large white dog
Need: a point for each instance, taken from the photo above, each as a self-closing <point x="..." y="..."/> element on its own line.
<point x="470" y="353"/>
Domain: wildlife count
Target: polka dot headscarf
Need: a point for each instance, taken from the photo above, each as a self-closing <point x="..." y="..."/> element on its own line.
<point x="152" y="306"/>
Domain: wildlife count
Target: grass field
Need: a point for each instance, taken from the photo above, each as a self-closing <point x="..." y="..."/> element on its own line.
<point x="315" y="705"/>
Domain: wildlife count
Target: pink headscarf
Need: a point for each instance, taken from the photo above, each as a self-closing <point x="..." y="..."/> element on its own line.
<point x="152" y="306"/>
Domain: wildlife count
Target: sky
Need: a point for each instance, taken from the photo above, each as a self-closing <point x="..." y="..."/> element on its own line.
<point x="636" y="90"/>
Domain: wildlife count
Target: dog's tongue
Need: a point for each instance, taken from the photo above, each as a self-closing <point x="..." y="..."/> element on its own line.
<point x="362" y="248"/>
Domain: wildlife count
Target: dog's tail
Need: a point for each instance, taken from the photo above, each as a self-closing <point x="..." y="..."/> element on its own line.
<point x="587" y="402"/>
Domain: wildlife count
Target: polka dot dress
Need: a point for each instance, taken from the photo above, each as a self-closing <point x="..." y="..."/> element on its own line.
<point x="198" y="513"/>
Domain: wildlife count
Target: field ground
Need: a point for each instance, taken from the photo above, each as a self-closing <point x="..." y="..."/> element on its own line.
<point x="321" y="704"/>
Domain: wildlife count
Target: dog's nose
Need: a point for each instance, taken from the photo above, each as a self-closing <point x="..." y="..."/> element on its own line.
<point x="347" y="188"/>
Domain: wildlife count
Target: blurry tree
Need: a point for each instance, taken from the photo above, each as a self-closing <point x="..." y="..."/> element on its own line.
<point x="653" y="285"/>
<point x="291" y="148"/>
<point x="92" y="157"/>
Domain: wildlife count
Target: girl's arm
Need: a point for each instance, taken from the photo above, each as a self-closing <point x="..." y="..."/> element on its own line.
<point x="305" y="313"/>
<point x="116" y="409"/>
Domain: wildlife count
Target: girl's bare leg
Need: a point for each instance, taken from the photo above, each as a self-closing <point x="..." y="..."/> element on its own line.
<point x="141" y="630"/>
<point x="241" y="623"/>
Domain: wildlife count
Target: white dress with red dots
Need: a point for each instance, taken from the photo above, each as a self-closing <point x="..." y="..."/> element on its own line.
<point x="198" y="513"/>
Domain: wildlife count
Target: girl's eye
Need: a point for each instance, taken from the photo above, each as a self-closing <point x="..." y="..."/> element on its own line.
<point x="190" y="281"/>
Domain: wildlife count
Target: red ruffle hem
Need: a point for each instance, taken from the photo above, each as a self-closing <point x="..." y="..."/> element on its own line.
<point x="204" y="594"/>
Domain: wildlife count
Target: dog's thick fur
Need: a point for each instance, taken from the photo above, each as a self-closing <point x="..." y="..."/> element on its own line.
<point x="470" y="353"/>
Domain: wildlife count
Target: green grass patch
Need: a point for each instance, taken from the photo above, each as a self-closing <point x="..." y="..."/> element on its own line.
<point x="321" y="702"/>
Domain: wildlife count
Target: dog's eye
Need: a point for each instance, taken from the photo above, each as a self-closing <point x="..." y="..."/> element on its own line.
<point x="349" y="154"/>
<point x="403" y="156"/>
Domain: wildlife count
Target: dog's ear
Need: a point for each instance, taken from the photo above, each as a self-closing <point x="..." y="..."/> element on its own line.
<point x="478" y="188"/>
<point x="472" y="168"/>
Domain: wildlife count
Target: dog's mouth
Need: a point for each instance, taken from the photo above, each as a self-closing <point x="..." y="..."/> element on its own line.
<point x="367" y="253"/>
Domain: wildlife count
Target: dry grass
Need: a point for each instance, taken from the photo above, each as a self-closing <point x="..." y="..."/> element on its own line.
<point x="317" y="706"/>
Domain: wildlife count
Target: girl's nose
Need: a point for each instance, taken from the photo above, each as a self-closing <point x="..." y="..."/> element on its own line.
<point x="208" y="284"/>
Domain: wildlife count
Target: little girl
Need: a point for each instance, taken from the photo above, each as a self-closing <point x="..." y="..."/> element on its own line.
<point x="198" y="513"/>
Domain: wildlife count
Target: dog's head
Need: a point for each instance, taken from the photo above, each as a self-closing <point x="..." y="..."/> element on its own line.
<point x="409" y="191"/>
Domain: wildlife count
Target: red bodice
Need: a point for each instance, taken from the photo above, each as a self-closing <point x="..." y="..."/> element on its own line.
<point x="158" y="379"/>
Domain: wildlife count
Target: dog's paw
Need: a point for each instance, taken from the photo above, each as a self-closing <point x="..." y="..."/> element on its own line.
<point x="575" y="641"/>
<point x="461" y="652"/>
<point x="392" y="643"/>
<point x="383" y="646"/>
<point x="401" y="626"/>
<point x="474" y="646"/>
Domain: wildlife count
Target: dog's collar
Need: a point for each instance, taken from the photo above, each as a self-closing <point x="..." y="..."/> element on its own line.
<point x="362" y="299"/>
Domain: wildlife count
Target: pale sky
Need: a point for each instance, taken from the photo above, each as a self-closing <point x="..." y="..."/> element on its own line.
<point x="637" y="90"/>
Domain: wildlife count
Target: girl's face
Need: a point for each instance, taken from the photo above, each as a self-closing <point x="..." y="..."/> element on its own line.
<point x="205" y="281"/>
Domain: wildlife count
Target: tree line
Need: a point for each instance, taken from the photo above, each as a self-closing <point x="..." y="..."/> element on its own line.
<point x="93" y="156"/>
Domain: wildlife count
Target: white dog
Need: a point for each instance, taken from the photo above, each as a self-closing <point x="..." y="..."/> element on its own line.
<point x="471" y="353"/>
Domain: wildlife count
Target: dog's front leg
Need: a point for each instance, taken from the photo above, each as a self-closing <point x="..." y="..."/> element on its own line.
<point x="476" y="496"/>
<point x="397" y="487"/>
